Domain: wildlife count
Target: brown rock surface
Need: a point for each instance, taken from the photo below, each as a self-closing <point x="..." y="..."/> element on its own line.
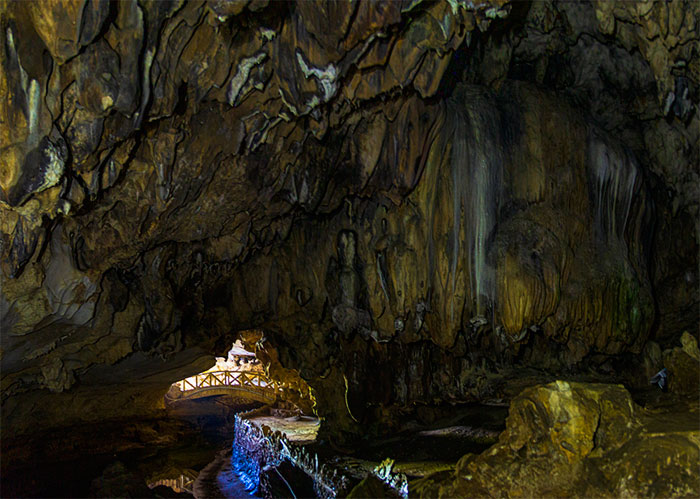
<point x="683" y="364"/>
<point x="568" y="438"/>
<point x="408" y="198"/>
<point x="141" y="124"/>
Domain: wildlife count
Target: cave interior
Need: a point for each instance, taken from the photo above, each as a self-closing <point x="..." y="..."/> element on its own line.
<point x="460" y="238"/>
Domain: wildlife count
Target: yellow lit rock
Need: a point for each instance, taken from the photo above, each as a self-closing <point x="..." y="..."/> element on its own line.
<point x="569" y="438"/>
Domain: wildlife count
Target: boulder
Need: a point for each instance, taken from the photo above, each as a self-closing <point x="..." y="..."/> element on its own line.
<point x="683" y="364"/>
<point x="566" y="438"/>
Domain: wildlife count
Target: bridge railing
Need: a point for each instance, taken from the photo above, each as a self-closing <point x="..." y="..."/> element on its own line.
<point x="213" y="379"/>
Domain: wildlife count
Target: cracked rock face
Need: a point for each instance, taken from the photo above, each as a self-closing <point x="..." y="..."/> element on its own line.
<point x="423" y="190"/>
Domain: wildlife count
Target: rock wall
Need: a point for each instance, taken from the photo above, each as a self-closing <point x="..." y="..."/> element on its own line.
<point x="412" y="191"/>
<point x="522" y="234"/>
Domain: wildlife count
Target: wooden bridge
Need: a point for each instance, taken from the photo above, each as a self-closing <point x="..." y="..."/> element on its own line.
<point x="246" y="384"/>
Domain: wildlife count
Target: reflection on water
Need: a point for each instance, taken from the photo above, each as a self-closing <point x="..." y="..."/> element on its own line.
<point x="229" y="475"/>
<point x="181" y="484"/>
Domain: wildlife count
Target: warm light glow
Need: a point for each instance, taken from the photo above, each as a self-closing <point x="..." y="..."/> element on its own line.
<point x="181" y="484"/>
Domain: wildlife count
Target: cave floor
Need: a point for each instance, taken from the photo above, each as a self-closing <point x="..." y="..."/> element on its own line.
<point x="301" y="430"/>
<point x="115" y="457"/>
<point x="421" y="448"/>
<point x="430" y="443"/>
<point x="418" y="449"/>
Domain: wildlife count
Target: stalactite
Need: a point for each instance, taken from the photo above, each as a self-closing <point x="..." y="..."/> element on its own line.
<point x="459" y="154"/>
<point x="476" y="166"/>
<point x="613" y="182"/>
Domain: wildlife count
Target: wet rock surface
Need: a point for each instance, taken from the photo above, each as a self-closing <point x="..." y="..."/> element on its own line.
<point x="576" y="438"/>
<point x="415" y="203"/>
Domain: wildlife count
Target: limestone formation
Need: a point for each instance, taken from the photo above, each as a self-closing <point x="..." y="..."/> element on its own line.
<point x="409" y="200"/>
<point x="583" y="439"/>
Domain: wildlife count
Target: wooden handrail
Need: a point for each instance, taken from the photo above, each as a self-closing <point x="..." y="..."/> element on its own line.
<point x="228" y="378"/>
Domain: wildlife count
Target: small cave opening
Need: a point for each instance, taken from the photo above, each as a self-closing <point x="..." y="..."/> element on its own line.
<point x="246" y="397"/>
<point x="210" y="399"/>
